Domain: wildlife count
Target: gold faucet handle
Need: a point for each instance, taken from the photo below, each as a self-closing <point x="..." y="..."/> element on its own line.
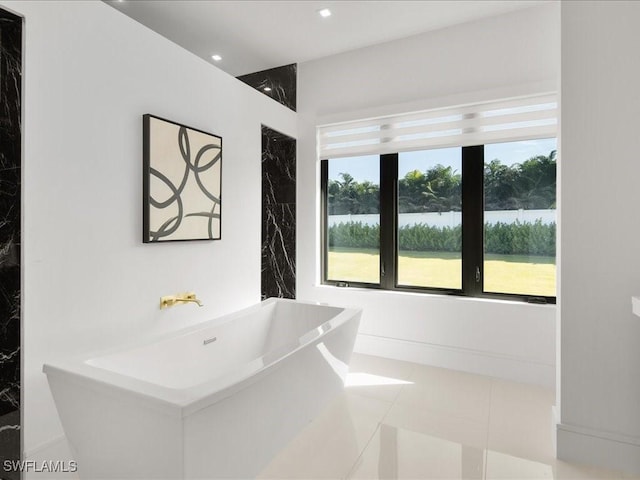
<point x="167" y="301"/>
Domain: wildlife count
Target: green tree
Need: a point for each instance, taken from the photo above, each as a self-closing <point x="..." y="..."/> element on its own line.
<point x="530" y="185"/>
<point x="436" y="190"/>
<point x="442" y="190"/>
<point x="537" y="182"/>
<point x="499" y="186"/>
<point x="346" y="196"/>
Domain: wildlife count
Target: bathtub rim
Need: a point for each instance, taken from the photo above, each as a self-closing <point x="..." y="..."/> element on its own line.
<point x="182" y="402"/>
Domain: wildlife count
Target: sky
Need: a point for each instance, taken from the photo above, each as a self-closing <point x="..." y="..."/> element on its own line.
<point x="367" y="167"/>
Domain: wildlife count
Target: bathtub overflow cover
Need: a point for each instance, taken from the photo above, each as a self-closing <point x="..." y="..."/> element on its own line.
<point x="209" y="340"/>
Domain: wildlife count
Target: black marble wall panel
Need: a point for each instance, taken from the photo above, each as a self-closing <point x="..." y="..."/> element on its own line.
<point x="279" y="83"/>
<point x="278" y="214"/>
<point x="10" y="160"/>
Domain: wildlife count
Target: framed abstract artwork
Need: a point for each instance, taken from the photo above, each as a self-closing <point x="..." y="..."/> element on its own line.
<point x="182" y="182"/>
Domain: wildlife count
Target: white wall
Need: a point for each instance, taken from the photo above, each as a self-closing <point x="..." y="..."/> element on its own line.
<point x="90" y="75"/>
<point x="600" y="338"/>
<point x="509" y="55"/>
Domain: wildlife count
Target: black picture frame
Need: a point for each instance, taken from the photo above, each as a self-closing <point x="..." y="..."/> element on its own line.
<point x="182" y="182"/>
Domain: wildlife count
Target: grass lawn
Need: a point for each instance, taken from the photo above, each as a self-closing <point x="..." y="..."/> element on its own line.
<point x="502" y="273"/>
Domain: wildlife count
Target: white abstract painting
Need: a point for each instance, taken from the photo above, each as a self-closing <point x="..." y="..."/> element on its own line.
<point x="182" y="182"/>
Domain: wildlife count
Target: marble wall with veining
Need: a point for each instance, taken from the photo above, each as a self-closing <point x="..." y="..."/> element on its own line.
<point x="278" y="83"/>
<point x="278" y="214"/>
<point x="10" y="160"/>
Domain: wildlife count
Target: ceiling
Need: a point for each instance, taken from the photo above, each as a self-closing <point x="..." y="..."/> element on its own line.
<point x="251" y="36"/>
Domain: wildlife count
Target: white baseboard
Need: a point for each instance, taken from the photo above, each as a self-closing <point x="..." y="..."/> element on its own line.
<point x="555" y="421"/>
<point x="598" y="448"/>
<point x="508" y="367"/>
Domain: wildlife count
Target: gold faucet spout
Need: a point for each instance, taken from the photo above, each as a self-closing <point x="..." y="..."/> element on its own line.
<point x="194" y="300"/>
<point x="171" y="300"/>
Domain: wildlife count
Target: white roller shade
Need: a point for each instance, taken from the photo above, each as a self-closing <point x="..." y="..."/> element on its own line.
<point x="505" y="120"/>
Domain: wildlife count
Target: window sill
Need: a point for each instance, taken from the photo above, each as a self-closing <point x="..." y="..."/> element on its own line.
<point x="430" y="296"/>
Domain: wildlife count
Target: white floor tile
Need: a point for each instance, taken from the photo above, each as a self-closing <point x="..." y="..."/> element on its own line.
<point x="437" y="424"/>
<point x="520" y="421"/>
<point x="569" y="471"/>
<point x="630" y="476"/>
<point x="377" y="377"/>
<point x="407" y="421"/>
<point x="503" y="466"/>
<point x="396" y="453"/>
<point x="331" y="444"/>
<point x="56" y="451"/>
<point x="446" y="391"/>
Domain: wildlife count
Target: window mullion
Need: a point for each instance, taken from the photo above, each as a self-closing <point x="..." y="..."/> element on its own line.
<point x="388" y="219"/>
<point x="324" y="245"/>
<point x="472" y="219"/>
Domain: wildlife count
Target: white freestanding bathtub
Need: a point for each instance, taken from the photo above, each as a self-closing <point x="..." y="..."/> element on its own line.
<point x="216" y="400"/>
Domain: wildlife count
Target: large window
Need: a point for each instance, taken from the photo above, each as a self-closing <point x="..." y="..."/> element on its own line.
<point x="477" y="219"/>
<point x="506" y="222"/>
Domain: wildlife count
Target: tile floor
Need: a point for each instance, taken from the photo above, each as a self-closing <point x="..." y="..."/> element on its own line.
<point x="403" y="420"/>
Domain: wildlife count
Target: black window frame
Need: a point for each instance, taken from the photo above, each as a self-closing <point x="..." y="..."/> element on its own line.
<point x="472" y="232"/>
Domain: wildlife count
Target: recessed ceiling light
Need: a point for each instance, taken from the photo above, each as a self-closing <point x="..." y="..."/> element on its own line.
<point x="216" y="58"/>
<point x="267" y="89"/>
<point x="324" y="13"/>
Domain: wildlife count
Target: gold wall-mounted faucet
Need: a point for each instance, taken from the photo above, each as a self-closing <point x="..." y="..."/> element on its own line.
<point x="171" y="300"/>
